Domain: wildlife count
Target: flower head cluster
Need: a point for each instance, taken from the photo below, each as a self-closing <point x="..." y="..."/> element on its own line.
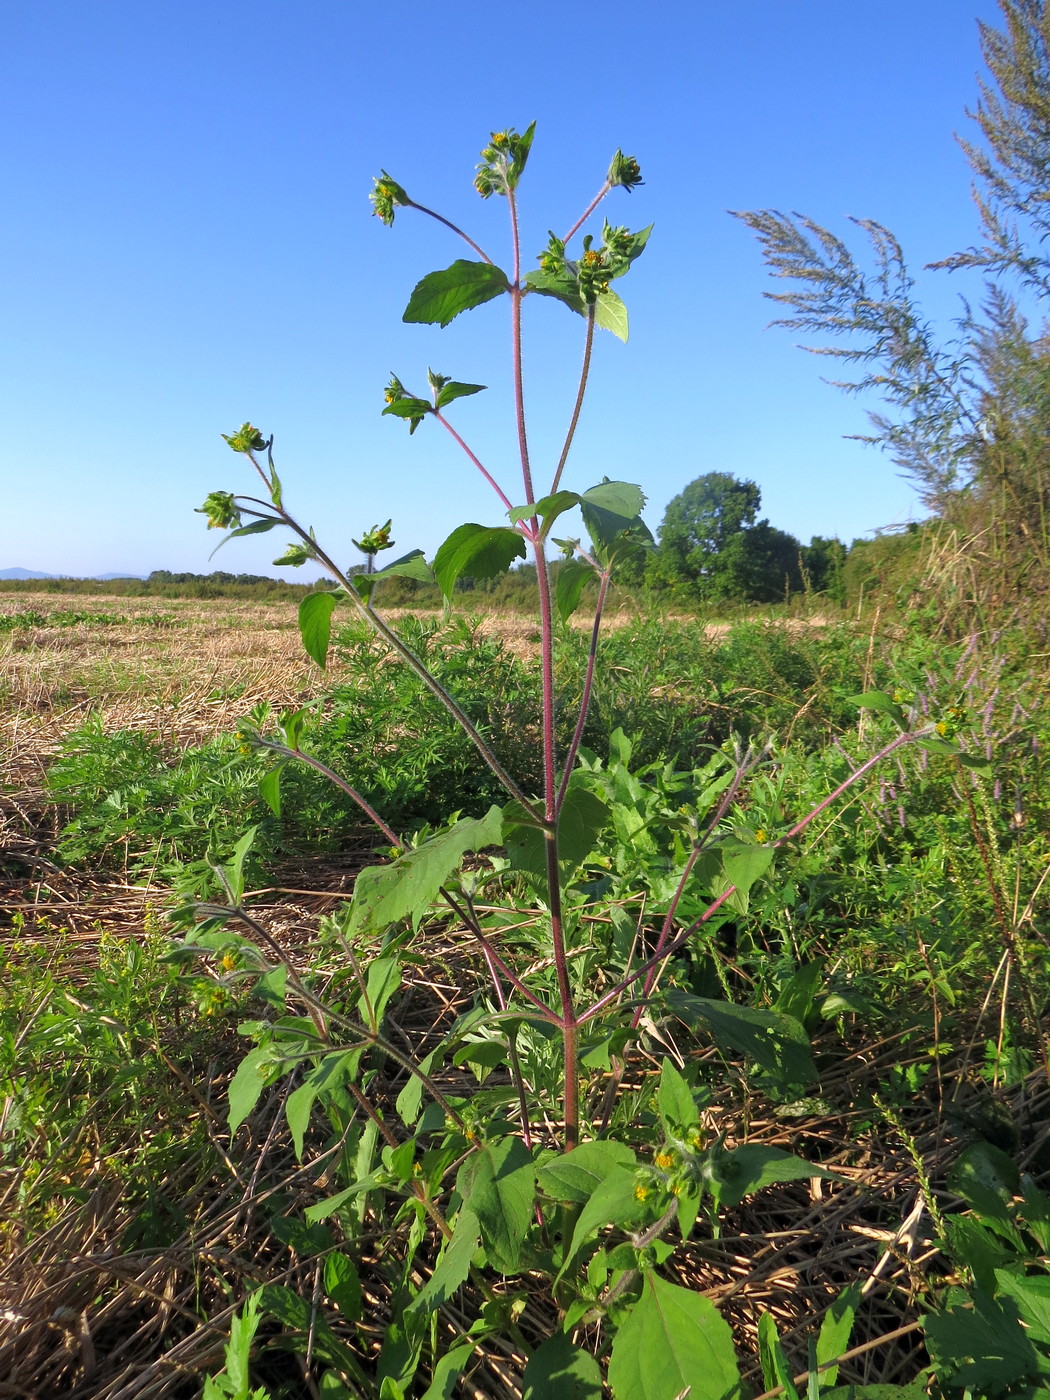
<point x="625" y="171"/>
<point x="375" y="539"/>
<point x="247" y="439"/>
<point x="221" y="509"/>
<point x="386" y="195"/>
<point x="503" y="161"/>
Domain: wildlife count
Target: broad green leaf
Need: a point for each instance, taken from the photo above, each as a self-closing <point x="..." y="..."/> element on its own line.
<point x="986" y="1178"/>
<point x="498" y="1184"/>
<point x="611" y="314"/>
<point x="775" y="1368"/>
<point x="885" y="704"/>
<point x="621" y="498"/>
<point x="453" y="1266"/>
<point x="270" y="789"/>
<point x="407" y="407"/>
<point x="797" y="993"/>
<point x="673" y="1343"/>
<point x="411" y="565"/>
<point x="315" y="624"/>
<point x="1036" y="1212"/>
<point x="383" y="894"/>
<point x="441" y="296"/>
<point x="323" y="1209"/>
<point x="254" y="1073"/>
<point x="560" y="1370"/>
<point x="614" y="1201"/>
<point x="343" y="1286"/>
<point x="574" y="1176"/>
<point x="583" y="816"/>
<point x="454" y="390"/>
<point x="1032" y="1296"/>
<point x="749" y="1168"/>
<point x="981" y="1347"/>
<point x="915" y="1391"/>
<point x="977" y="1248"/>
<point x="243" y="1327"/>
<point x="548" y="508"/>
<point x="569" y="582"/>
<point x="678" y="1110"/>
<point x="447" y="1371"/>
<point x="560" y="285"/>
<point x="382" y="981"/>
<point x="775" y="1042"/>
<point x="300" y="1102"/>
<point x="479" y="551"/>
<point x="836" y="1330"/>
<point x="410" y="1099"/>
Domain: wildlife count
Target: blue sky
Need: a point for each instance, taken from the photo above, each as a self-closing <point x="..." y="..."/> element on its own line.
<point x="187" y="243"/>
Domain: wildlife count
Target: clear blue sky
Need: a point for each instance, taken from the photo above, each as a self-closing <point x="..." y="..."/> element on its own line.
<point x="186" y="243"/>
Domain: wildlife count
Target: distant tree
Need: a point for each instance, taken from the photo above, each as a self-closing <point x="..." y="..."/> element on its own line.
<point x="712" y="547"/>
<point x="822" y="562"/>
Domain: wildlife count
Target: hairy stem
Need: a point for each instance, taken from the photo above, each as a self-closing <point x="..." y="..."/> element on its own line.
<point x="341" y="783"/>
<point x="588" y="211"/>
<point x="422" y="209"/>
<point x="585" y="699"/>
<point x="481" y="468"/>
<point x="588" y="344"/>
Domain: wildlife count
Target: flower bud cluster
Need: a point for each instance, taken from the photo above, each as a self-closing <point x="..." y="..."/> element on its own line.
<point x="386" y="195"/>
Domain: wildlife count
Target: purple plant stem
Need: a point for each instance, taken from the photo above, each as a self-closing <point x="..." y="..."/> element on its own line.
<point x="585" y="701"/>
<point x="343" y="785"/>
<point x="422" y="209"/>
<point x="550" y="791"/>
<point x="482" y="469"/>
<point x="588" y="211"/>
<point x="588" y="345"/>
<point x="494" y="959"/>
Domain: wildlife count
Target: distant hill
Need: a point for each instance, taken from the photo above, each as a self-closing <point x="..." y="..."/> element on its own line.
<point x="32" y="573"/>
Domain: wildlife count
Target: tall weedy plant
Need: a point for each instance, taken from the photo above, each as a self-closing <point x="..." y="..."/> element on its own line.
<point x="542" y="1170"/>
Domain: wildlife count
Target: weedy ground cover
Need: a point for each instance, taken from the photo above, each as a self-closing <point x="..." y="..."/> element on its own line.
<point x="688" y="968"/>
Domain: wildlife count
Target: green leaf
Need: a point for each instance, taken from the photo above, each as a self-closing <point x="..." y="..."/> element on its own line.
<point x="879" y="700"/>
<point x="454" y="390"/>
<point x="548" y="508"/>
<point x="797" y="994"/>
<point x="315" y="624"/>
<point x="560" y="285"/>
<point x="343" y="1286"/>
<point x="611" y="314"/>
<point x="634" y="248"/>
<point x="453" y="1267"/>
<point x="300" y="1102"/>
<point x="254" y="1073"/>
<point x="620" y="498"/>
<point x="382" y="981"/>
<point x="612" y="1202"/>
<point x="749" y="1168"/>
<point x="573" y="1177"/>
<point x="412" y="565"/>
<point x="569" y="581"/>
<point x="447" y="1371"/>
<point x="257" y="527"/>
<point x="981" y="1347"/>
<point x="1032" y="1296"/>
<point x="673" y="1343"/>
<point x="441" y="296"/>
<point x="270" y="789"/>
<point x="678" y="1110"/>
<point x="560" y="1370"/>
<point x="775" y="1368"/>
<point x="384" y="894"/>
<point x="583" y="815"/>
<point x="987" y="1179"/>
<point x="775" y="1042"/>
<point x="479" y="551"/>
<point x="915" y="1391"/>
<point x="498" y="1184"/>
<point x="407" y="407"/>
<point x="836" y="1330"/>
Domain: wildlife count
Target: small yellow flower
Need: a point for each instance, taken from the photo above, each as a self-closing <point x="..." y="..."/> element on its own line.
<point x="665" y="1160"/>
<point x="641" y="1192"/>
<point x="229" y="962"/>
<point x="761" y="835"/>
